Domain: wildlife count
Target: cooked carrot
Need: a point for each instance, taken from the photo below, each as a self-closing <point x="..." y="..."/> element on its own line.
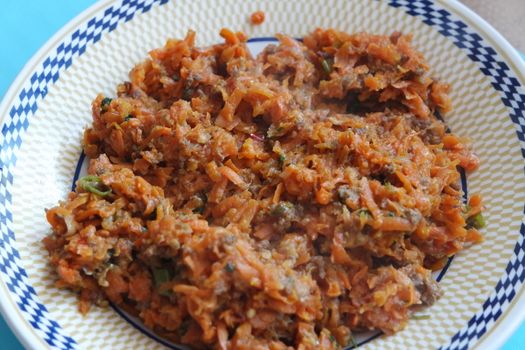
<point x="231" y="165"/>
<point x="387" y="53"/>
<point x="368" y="200"/>
<point x="475" y="200"/>
<point x="222" y="336"/>
<point x="199" y="225"/>
<point x="451" y="141"/>
<point x="231" y="104"/>
<point x="247" y="213"/>
<point x="257" y="17"/>
<point x="340" y="256"/>
<point x="231" y="175"/>
<point x="396" y="224"/>
<point x="229" y="36"/>
<point x="213" y="171"/>
<point x="278" y="192"/>
<point x="323" y="196"/>
<point x="217" y="192"/>
<point x="264" y="231"/>
<point x="439" y="94"/>
<point x="270" y="202"/>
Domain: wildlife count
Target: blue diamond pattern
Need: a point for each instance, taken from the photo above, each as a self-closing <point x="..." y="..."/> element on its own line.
<point x="10" y="265"/>
<point x="502" y="79"/>
<point x="13" y="128"/>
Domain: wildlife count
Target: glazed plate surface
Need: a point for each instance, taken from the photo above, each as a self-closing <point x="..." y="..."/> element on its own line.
<point x="48" y="106"/>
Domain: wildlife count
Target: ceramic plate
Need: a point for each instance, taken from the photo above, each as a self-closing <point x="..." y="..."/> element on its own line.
<point x="48" y="106"/>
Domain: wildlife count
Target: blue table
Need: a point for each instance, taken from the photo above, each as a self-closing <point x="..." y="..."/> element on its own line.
<point x="25" y="27"/>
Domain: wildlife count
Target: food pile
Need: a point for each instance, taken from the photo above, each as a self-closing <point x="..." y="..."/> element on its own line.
<point x="281" y="201"/>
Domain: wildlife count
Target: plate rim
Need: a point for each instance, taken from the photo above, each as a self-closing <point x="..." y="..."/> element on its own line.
<point x="20" y="327"/>
<point x="510" y="319"/>
<point x="513" y="316"/>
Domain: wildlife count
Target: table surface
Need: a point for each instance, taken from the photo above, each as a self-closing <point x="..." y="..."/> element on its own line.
<point x="26" y="26"/>
<point x="504" y="15"/>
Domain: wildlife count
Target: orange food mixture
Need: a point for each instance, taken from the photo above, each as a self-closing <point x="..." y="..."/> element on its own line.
<point x="257" y="17"/>
<point x="277" y="202"/>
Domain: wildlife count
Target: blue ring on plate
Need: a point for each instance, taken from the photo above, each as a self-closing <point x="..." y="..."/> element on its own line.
<point x="512" y="95"/>
<point x="136" y="323"/>
<point x="14" y="125"/>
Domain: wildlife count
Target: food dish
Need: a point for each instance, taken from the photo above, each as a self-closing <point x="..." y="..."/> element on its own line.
<point x="35" y="127"/>
<point x="284" y="200"/>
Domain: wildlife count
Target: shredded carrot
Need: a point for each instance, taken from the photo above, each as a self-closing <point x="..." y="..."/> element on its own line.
<point x="231" y="104"/>
<point x="368" y="200"/>
<point x="217" y="191"/>
<point x="274" y="202"/>
<point x="396" y="224"/>
<point x="213" y="172"/>
<point x="279" y="189"/>
<point x="231" y="175"/>
<point x="229" y="36"/>
<point x="264" y="231"/>
<point x="257" y="17"/>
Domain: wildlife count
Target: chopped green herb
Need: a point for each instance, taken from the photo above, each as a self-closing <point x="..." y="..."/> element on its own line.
<point x="352" y="342"/>
<point x="466" y="208"/>
<point x="282" y="159"/>
<point x="281" y="208"/>
<point x="390" y="214"/>
<point x="93" y="184"/>
<point x="363" y="213"/>
<point x="175" y="77"/>
<point x="332" y="338"/>
<point x="275" y="131"/>
<point x="144" y="229"/>
<point x="389" y="186"/>
<point x="105" y="103"/>
<point x="477" y="221"/>
<point x="161" y="276"/>
<point x="421" y="317"/>
<point x="128" y="117"/>
<point x="229" y="267"/>
<point x="326" y="66"/>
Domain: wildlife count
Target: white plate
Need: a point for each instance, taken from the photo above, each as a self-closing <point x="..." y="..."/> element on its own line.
<point x="47" y="107"/>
